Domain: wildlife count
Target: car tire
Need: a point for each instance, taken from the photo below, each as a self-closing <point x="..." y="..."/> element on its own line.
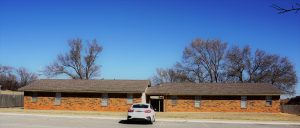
<point x="151" y="122"/>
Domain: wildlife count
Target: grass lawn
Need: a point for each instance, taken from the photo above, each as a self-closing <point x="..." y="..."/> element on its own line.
<point x="171" y="115"/>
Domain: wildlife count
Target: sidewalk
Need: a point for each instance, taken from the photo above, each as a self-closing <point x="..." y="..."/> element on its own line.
<point x="158" y="119"/>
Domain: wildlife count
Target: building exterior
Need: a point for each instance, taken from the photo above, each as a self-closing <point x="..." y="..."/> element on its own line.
<point x="216" y="97"/>
<point x="84" y="95"/>
<point x="118" y="95"/>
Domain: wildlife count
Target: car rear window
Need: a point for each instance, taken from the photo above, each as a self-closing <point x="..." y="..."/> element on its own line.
<point x="140" y="106"/>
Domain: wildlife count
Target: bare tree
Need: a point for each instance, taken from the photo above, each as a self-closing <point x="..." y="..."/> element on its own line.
<point x="5" y="69"/>
<point x="236" y="63"/>
<point x="295" y="7"/>
<point x="25" y="77"/>
<point x="258" y="65"/>
<point x="171" y="75"/>
<point x="194" y="71"/>
<point x="203" y="61"/>
<point x="261" y="67"/>
<point x="91" y="69"/>
<point x="74" y="64"/>
<point x="283" y="75"/>
<point x="12" y="79"/>
<point x="207" y="54"/>
<point x="7" y="79"/>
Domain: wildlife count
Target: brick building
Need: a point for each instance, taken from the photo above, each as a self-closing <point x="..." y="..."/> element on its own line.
<point x="118" y="95"/>
<point x="87" y="95"/>
<point x="215" y="97"/>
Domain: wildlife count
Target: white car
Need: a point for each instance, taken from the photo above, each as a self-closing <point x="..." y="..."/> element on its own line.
<point x="141" y="111"/>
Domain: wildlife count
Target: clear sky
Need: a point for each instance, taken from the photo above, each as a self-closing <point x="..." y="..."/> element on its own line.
<point x="138" y="35"/>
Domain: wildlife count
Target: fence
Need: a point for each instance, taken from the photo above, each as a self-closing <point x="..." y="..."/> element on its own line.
<point x="7" y="100"/>
<point x="291" y="109"/>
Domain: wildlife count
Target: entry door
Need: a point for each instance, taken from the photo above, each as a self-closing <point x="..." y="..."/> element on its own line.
<point x="157" y="104"/>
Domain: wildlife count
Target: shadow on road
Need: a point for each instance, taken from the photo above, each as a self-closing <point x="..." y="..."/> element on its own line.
<point x="139" y="122"/>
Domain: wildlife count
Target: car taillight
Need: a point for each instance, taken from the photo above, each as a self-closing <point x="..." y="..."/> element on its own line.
<point x="130" y="110"/>
<point x="147" y="111"/>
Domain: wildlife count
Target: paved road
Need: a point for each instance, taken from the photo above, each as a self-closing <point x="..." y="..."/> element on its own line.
<point x="33" y="121"/>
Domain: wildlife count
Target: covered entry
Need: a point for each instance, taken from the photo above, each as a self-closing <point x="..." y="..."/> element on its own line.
<point x="157" y="103"/>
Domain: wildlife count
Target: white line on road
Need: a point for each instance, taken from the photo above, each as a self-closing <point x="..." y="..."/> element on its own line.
<point x="163" y="120"/>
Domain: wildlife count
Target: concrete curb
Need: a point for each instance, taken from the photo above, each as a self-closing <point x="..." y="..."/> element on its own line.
<point x="160" y="120"/>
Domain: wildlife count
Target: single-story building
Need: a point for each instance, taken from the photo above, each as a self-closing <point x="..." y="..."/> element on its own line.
<point x="118" y="95"/>
<point x="84" y="95"/>
<point x="215" y="97"/>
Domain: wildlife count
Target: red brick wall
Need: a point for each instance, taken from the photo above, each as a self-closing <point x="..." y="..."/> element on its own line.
<point x="222" y="104"/>
<point x="79" y="101"/>
<point x="118" y="102"/>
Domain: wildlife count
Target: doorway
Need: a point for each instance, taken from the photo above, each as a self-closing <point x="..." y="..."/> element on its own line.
<point x="157" y="103"/>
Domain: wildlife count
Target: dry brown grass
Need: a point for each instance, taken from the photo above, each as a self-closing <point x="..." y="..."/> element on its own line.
<point x="63" y="112"/>
<point x="171" y="115"/>
<point x="231" y="116"/>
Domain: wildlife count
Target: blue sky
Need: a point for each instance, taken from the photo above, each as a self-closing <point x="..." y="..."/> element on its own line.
<point x="138" y="35"/>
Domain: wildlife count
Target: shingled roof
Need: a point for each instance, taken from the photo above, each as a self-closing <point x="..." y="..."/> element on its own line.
<point x="100" y="86"/>
<point x="214" y="89"/>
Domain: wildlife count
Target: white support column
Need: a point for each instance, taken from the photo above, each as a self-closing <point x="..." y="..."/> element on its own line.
<point x="143" y="97"/>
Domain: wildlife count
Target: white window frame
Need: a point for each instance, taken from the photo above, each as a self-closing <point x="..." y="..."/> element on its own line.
<point x="174" y="100"/>
<point x="34" y="97"/>
<point x="243" y="101"/>
<point x="269" y="101"/>
<point x="129" y="98"/>
<point x="197" y="101"/>
<point x="57" y="99"/>
<point x="104" y="99"/>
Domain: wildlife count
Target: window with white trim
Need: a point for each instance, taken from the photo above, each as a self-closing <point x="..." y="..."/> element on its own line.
<point x="104" y="99"/>
<point x="129" y="99"/>
<point x="243" y="101"/>
<point x="57" y="99"/>
<point x="197" y="101"/>
<point x="268" y="100"/>
<point x="173" y="100"/>
<point x="34" y="97"/>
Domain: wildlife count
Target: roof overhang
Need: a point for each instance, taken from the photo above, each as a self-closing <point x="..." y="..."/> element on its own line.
<point x="68" y="91"/>
<point x="165" y="94"/>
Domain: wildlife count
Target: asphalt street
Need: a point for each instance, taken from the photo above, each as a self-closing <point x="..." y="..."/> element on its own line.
<point x="33" y="121"/>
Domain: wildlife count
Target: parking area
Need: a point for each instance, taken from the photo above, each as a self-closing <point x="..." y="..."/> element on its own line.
<point x="44" y="121"/>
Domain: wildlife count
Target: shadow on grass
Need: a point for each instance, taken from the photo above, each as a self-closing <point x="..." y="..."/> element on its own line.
<point x="137" y="122"/>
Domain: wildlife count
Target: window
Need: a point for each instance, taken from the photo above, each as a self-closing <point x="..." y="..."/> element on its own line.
<point x="57" y="98"/>
<point x="129" y="99"/>
<point x="243" y="101"/>
<point x="268" y="100"/>
<point x="140" y="106"/>
<point x="197" y="101"/>
<point x="104" y="100"/>
<point x="34" y="97"/>
<point x="174" y="100"/>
